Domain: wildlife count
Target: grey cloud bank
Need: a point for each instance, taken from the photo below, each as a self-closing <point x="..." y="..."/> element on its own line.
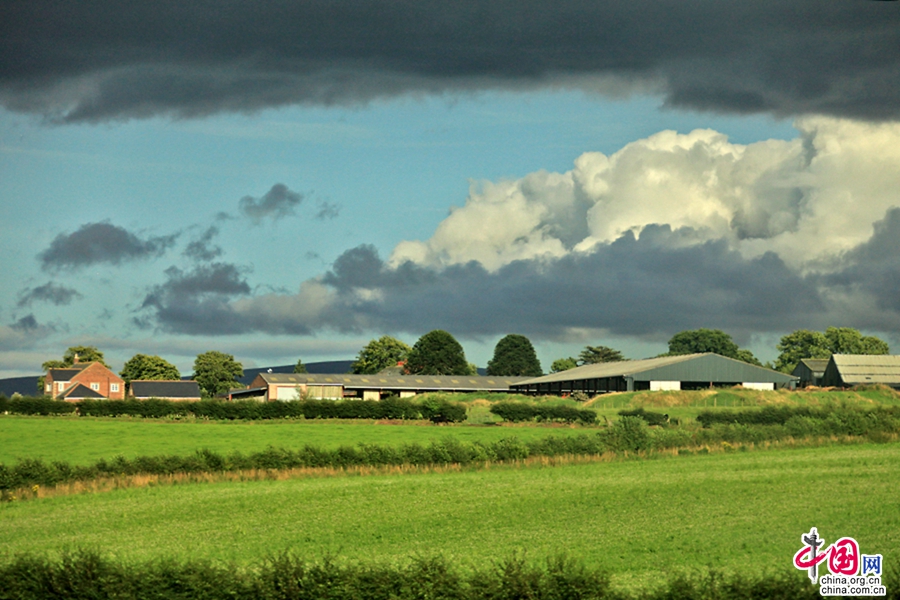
<point x="94" y="243"/>
<point x="53" y="293"/>
<point x="104" y="60"/>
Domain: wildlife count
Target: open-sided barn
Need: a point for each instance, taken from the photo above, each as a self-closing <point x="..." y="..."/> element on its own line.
<point x="810" y="371"/>
<point x="848" y="370"/>
<point x="685" y="372"/>
<point x="283" y="386"/>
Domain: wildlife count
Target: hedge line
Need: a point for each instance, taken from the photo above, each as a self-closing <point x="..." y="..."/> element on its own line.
<point x="83" y="575"/>
<point x="628" y="434"/>
<point x="516" y="412"/>
<point x="389" y="408"/>
<point x="781" y="415"/>
<point x="624" y="436"/>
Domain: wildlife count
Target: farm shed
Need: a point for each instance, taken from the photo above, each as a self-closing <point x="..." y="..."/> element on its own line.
<point x="282" y="386"/>
<point x="847" y="370"/>
<point x="686" y="372"/>
<point x="181" y="390"/>
<point x="810" y="371"/>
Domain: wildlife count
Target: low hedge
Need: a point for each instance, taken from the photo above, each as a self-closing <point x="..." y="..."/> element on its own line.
<point x="516" y="412"/>
<point x="83" y="575"/>
<point x="439" y="411"/>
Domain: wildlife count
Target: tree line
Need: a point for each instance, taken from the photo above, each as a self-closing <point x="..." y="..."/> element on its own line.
<point x="439" y="353"/>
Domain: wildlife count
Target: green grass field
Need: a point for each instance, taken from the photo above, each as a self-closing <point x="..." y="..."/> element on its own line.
<point x="85" y="440"/>
<point x="637" y="518"/>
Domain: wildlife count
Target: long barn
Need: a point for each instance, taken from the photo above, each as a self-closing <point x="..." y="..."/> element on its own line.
<point x="685" y="372"/>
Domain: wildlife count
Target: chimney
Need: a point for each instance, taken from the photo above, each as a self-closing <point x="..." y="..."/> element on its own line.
<point x="75" y="360"/>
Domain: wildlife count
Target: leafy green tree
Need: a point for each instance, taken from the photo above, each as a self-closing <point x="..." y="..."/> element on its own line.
<point x="599" y="354"/>
<point x="217" y="372"/>
<point x="846" y="340"/>
<point x="300" y="367"/>
<point x="142" y="366"/>
<point x="514" y="355"/>
<point x="703" y="340"/>
<point x="695" y="341"/>
<point x="798" y="345"/>
<point x="804" y="343"/>
<point x="379" y="354"/>
<point x="437" y="353"/>
<point x="747" y="357"/>
<point x="85" y="354"/>
<point x="563" y="364"/>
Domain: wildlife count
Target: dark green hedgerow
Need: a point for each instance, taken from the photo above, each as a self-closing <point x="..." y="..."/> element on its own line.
<point x="439" y="411"/>
<point x="516" y="412"/>
<point x="82" y="575"/>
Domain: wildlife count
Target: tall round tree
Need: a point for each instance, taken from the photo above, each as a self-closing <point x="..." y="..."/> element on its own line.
<point x="379" y="354"/>
<point x="513" y="356"/>
<point x="142" y="366"/>
<point x="437" y="353"/>
<point x="217" y="372"/>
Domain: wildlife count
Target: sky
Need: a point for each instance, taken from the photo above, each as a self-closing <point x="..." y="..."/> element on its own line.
<point x="289" y="180"/>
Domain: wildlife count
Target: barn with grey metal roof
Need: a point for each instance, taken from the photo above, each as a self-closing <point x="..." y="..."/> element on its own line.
<point x="810" y="371"/>
<point x="688" y="371"/>
<point x="288" y="386"/>
<point x="848" y="370"/>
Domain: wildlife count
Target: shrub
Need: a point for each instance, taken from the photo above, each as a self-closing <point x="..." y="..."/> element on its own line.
<point x="629" y="434"/>
<point x="652" y="418"/>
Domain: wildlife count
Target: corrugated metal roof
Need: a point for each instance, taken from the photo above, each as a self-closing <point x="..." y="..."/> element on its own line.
<point x="686" y="367"/>
<point x="612" y="369"/>
<point x="868" y="368"/>
<point x="413" y="382"/>
<point x="815" y="364"/>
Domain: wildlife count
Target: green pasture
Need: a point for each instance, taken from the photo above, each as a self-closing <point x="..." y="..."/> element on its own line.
<point x="82" y="441"/>
<point x="636" y="518"/>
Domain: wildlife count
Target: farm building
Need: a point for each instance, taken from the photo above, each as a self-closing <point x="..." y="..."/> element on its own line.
<point x="96" y="379"/>
<point x="810" y="371"/>
<point x="847" y="370"/>
<point x="181" y="390"/>
<point x="282" y="386"/>
<point x="685" y="372"/>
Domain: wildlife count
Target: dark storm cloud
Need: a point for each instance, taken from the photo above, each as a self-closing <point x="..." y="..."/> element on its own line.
<point x="196" y="301"/>
<point x="57" y="295"/>
<point x="101" y="243"/>
<point x="874" y="266"/>
<point x="277" y="203"/>
<point x="105" y="59"/>
<point x="645" y="286"/>
<point x="630" y="287"/>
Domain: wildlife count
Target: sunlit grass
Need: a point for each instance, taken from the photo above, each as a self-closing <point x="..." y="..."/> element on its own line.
<point x="636" y="518"/>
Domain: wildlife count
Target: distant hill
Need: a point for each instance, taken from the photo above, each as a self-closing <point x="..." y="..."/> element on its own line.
<point x="324" y="367"/>
<point x="27" y="386"/>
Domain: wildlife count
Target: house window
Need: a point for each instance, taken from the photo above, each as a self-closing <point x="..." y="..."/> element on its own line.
<point x="95" y="387"/>
<point x="48" y="388"/>
<point x="60" y="385"/>
<point x="114" y="387"/>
